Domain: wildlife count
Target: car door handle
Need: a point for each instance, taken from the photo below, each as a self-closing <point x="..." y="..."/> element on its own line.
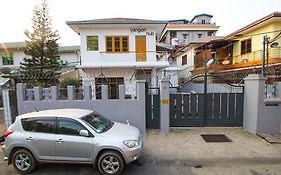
<point x="29" y="139"/>
<point x="60" y="141"/>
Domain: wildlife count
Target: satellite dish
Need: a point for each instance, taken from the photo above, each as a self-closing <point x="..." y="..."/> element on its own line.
<point x="225" y="62"/>
<point x="274" y="45"/>
<point x="210" y="62"/>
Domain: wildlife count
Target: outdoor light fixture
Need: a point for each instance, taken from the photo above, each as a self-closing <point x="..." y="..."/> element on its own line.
<point x="274" y="45"/>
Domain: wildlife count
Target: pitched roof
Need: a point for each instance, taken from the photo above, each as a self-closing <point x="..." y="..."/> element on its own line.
<point x="253" y="24"/>
<point x="16" y="45"/>
<point x="203" y="14"/>
<point x="117" y="21"/>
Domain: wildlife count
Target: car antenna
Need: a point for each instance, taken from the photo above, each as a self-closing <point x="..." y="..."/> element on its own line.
<point x="35" y="109"/>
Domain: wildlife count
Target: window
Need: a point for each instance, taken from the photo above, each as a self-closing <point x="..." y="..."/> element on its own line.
<point x="203" y="21"/>
<point x="98" y="122"/>
<point x="199" y="35"/>
<point x="92" y="43"/>
<point x="113" y="86"/>
<point x="26" y="123"/>
<point x="70" y="127"/>
<point x="184" y="35"/>
<point x="246" y="46"/>
<point x="173" y="34"/>
<point x="184" y="60"/>
<point x="43" y="125"/>
<point x="117" y="44"/>
<point x="8" y="59"/>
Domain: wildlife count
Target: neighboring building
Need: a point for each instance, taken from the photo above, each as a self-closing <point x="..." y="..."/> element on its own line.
<point x="185" y="57"/>
<point x="118" y="51"/>
<point x="12" y="55"/>
<point x="241" y="52"/>
<point x="182" y="32"/>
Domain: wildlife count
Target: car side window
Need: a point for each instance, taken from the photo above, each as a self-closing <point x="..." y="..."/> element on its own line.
<point x="69" y="127"/>
<point x="43" y="125"/>
<point x="26" y="123"/>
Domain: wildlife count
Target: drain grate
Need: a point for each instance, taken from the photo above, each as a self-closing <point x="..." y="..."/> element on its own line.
<point x="215" y="138"/>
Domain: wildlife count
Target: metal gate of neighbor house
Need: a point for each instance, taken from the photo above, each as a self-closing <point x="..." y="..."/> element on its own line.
<point x="152" y="105"/>
<point x="222" y="109"/>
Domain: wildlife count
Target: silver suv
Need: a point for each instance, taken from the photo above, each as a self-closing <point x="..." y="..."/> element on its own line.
<point x="71" y="136"/>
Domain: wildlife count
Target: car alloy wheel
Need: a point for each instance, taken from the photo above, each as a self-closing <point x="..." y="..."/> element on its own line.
<point x="111" y="163"/>
<point x="23" y="161"/>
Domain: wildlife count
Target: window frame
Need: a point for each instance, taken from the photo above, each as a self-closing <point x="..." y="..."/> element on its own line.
<point x="6" y="55"/>
<point x="113" y="43"/>
<point x="246" y="46"/>
<point x="34" y="119"/>
<point x="65" y="119"/>
<point x="182" y="62"/>
<point x="95" y="48"/>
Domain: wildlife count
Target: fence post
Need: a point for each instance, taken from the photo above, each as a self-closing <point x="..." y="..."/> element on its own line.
<point x="141" y="99"/>
<point x="87" y="92"/>
<point x="258" y="117"/>
<point x="37" y="93"/>
<point x="20" y="96"/>
<point x="164" y="106"/>
<point x="70" y="93"/>
<point x="46" y="94"/>
<point x="121" y="91"/>
<point x="104" y="92"/>
<point x="55" y="94"/>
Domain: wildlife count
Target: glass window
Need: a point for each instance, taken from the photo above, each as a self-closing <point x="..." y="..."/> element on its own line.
<point x="125" y="44"/>
<point x="43" y="125"/>
<point x="98" y="122"/>
<point x="184" y="60"/>
<point x="109" y="44"/>
<point x="92" y="43"/>
<point x="7" y="59"/>
<point x="246" y="46"/>
<point x="70" y="127"/>
<point x="117" y="44"/>
<point x="26" y="123"/>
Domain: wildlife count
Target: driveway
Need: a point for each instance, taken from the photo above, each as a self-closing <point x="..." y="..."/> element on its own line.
<point x="183" y="151"/>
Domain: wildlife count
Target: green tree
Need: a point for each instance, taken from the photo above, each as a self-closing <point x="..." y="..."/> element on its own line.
<point x="42" y="65"/>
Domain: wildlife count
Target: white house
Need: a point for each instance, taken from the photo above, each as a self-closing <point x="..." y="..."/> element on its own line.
<point x="118" y="51"/>
<point x="182" y="32"/>
<point x="12" y="54"/>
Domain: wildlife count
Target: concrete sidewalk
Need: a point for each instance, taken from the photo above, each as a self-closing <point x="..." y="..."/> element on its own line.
<point x="183" y="151"/>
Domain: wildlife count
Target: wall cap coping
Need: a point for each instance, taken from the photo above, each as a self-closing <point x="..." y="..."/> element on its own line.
<point x="254" y="77"/>
<point x="272" y="101"/>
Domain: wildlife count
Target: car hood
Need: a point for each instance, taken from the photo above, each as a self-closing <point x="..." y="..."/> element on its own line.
<point x="123" y="130"/>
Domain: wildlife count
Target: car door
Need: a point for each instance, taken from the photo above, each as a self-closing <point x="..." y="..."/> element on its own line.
<point x="40" y="136"/>
<point x="70" y="146"/>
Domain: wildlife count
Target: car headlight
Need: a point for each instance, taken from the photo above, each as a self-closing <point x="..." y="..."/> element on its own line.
<point x="131" y="143"/>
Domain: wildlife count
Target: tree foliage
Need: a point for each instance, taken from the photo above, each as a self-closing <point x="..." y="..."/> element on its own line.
<point x="42" y="65"/>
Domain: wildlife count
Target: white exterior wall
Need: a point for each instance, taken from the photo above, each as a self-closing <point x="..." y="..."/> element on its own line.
<point x="92" y="57"/>
<point x="200" y="18"/>
<point x="18" y="56"/>
<point x="71" y="58"/>
<point x="190" y="58"/>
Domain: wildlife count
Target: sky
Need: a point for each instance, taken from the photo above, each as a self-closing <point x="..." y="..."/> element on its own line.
<point x="230" y="15"/>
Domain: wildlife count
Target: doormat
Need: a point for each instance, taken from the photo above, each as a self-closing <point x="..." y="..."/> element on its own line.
<point x="215" y="138"/>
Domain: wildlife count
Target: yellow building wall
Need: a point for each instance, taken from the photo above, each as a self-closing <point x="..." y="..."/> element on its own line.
<point x="257" y="39"/>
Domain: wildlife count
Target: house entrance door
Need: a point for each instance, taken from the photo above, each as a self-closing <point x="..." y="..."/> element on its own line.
<point x="140" y="48"/>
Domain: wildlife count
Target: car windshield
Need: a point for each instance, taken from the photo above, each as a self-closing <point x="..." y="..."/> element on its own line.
<point x="98" y="122"/>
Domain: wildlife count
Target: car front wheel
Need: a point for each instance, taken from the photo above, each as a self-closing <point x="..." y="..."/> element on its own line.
<point x="110" y="163"/>
<point x="23" y="161"/>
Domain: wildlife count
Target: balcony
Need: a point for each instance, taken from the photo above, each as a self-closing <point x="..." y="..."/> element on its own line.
<point x="239" y="61"/>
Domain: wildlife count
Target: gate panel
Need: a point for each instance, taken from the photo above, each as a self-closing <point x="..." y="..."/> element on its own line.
<point x="186" y="106"/>
<point x="217" y="105"/>
<point x="231" y="105"/>
<point x="152" y="108"/>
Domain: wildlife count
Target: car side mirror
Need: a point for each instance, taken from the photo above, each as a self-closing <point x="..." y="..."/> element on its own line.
<point x="84" y="133"/>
